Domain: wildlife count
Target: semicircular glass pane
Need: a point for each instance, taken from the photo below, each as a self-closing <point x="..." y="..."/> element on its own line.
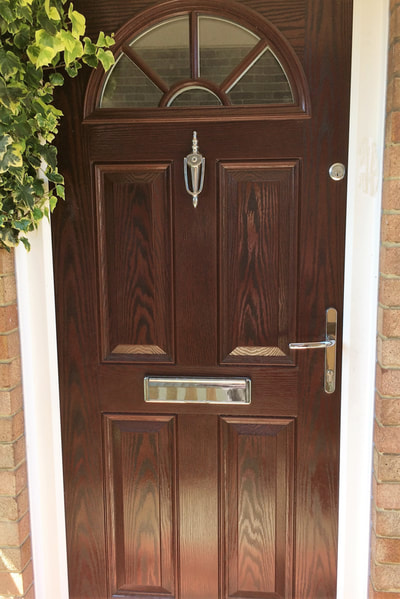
<point x="195" y="96"/>
<point x="264" y="82"/>
<point x="223" y="45"/>
<point x="166" y="49"/>
<point x="127" y="86"/>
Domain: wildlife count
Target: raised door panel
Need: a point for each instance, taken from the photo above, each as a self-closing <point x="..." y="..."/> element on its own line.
<point x="257" y="507"/>
<point x="135" y="261"/>
<point x="140" y="505"/>
<point x="258" y="260"/>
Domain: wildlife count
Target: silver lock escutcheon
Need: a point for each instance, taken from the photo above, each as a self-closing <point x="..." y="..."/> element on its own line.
<point x="337" y="171"/>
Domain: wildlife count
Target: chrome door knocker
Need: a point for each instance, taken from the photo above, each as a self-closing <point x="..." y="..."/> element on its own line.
<point x="194" y="162"/>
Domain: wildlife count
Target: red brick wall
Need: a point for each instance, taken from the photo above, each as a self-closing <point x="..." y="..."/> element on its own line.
<point x="385" y="538"/>
<point x="16" y="572"/>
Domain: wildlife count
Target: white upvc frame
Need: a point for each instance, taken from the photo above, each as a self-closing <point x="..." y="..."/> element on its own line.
<point x="38" y="340"/>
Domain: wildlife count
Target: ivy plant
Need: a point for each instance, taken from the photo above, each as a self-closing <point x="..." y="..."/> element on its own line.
<point x="41" y="41"/>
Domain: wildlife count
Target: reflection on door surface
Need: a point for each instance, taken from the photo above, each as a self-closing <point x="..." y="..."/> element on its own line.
<point x="200" y="449"/>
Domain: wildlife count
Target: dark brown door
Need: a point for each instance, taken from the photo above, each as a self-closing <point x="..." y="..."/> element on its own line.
<point x="176" y="497"/>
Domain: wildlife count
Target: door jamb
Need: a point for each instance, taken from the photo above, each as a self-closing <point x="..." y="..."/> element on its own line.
<point x="39" y="353"/>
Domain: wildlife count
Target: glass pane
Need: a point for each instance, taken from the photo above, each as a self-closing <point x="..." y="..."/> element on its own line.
<point x="128" y="87"/>
<point x="223" y="45"/>
<point x="195" y="96"/>
<point x="166" y="49"/>
<point x="265" y="82"/>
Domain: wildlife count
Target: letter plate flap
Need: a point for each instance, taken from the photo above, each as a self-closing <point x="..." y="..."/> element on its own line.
<point x="235" y="390"/>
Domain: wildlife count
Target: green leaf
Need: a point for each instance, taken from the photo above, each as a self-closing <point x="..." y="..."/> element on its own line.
<point x="90" y="60"/>
<point x="12" y="157"/>
<point x="110" y="41"/>
<point x="25" y="194"/>
<point x="22" y="225"/>
<point x="8" y="237"/>
<point x="67" y="39"/>
<point x="9" y="64"/>
<point x="49" y="45"/>
<point x="26" y="243"/>
<point x="6" y="12"/>
<point x="71" y="56"/>
<point x="55" y="177"/>
<point x="49" y="154"/>
<point x="106" y="58"/>
<point x="60" y="191"/>
<point x="78" y="22"/>
<point x="53" y="202"/>
<point x="5" y="142"/>
<point x="22" y="38"/>
<point x="46" y="23"/>
<point x="101" y="40"/>
<point x="72" y="70"/>
<point x="51" y="11"/>
<point x="37" y="213"/>
<point x="56" y="79"/>
<point x="89" y="46"/>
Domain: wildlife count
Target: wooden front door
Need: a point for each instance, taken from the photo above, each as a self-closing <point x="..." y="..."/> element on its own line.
<point x="184" y="496"/>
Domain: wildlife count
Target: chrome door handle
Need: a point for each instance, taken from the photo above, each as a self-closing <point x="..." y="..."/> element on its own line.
<point x="329" y="344"/>
<point x="196" y="164"/>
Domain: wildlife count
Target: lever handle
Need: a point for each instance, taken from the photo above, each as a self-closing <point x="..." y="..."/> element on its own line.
<point x="329" y="344"/>
<point x="196" y="164"/>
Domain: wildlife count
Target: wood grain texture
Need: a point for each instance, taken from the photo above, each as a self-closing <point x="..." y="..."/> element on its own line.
<point x="135" y="257"/>
<point x="158" y="244"/>
<point x="259" y="207"/>
<point x="140" y="483"/>
<point x="258" y="506"/>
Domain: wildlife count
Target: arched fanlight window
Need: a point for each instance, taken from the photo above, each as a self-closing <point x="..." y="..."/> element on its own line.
<point x="198" y="59"/>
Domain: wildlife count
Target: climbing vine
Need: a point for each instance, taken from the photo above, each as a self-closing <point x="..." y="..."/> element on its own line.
<point x="41" y="42"/>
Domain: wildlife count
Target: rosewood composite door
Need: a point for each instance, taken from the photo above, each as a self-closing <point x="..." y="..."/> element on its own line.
<point x="180" y="497"/>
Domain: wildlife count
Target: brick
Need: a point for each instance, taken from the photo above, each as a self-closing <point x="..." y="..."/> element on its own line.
<point x="389" y="322"/>
<point x="393" y="94"/>
<point x="30" y="593"/>
<point x="387" y="551"/>
<point x="390" y="226"/>
<point x="8" y="290"/>
<point x="14" y="534"/>
<point x="6" y="262"/>
<point x="392" y="156"/>
<point x="388" y="352"/>
<point x="387" y="438"/>
<point x="12" y="482"/>
<point x="386" y="495"/>
<point x="11" y="427"/>
<point x="394" y="58"/>
<point x="393" y="127"/>
<point x="8" y="509"/>
<point x="388" y="381"/>
<point x="9" y="345"/>
<point x="12" y="454"/>
<point x="16" y="583"/>
<point x="394" y="23"/>
<point x="8" y="318"/>
<point x="373" y="594"/>
<point x="389" y="292"/>
<point x="11" y="401"/>
<point x="387" y="522"/>
<point x="10" y="373"/>
<point x="386" y="577"/>
<point x="391" y="190"/>
<point x="15" y="559"/>
<point x="387" y="411"/>
<point x="387" y="467"/>
<point x="389" y="261"/>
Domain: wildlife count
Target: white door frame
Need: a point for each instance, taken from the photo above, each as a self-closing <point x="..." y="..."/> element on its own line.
<point x="39" y="358"/>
